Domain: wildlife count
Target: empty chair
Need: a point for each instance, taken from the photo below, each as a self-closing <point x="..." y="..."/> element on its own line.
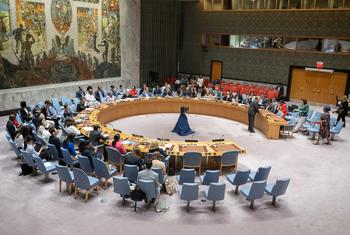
<point x="336" y="129"/>
<point x="45" y="168"/>
<point x="161" y="177"/>
<point x="253" y="191"/>
<point x="131" y="172"/>
<point x="309" y="115"/>
<point x="277" y="189"/>
<point x="7" y="136"/>
<point x="238" y="179"/>
<point x="261" y="174"/>
<point x="332" y="122"/>
<point x="65" y="100"/>
<point x="215" y="192"/>
<point x="149" y="188"/>
<point x="14" y="148"/>
<point x="290" y="126"/>
<point x="67" y="158"/>
<point x="65" y="175"/>
<point x="115" y="157"/>
<point x="85" y="164"/>
<point x="102" y="171"/>
<point x="186" y="176"/>
<point x="189" y="192"/>
<point x="84" y="182"/>
<point x="53" y="152"/>
<point x="192" y="160"/>
<point x="314" y="130"/>
<point x="229" y="158"/>
<point x="210" y="176"/>
<point x="121" y="186"/>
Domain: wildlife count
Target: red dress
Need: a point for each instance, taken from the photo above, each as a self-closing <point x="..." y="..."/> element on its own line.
<point x="133" y="92"/>
<point x="283" y="109"/>
<point x="119" y="145"/>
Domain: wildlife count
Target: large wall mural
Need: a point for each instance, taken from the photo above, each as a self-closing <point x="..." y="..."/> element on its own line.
<point x="43" y="42"/>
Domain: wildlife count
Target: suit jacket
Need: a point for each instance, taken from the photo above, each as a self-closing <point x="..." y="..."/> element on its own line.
<point x="56" y="141"/>
<point x="95" y="137"/>
<point x="25" y="114"/>
<point x="11" y="129"/>
<point x="99" y="95"/>
<point x="148" y="174"/>
<point x="80" y="107"/>
<point x="253" y="108"/>
<point x="131" y="160"/>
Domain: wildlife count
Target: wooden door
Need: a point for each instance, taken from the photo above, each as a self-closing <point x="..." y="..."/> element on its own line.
<point x="297" y="85"/>
<point x="310" y="92"/>
<point x="337" y="87"/>
<point x="216" y="70"/>
<point x="323" y="87"/>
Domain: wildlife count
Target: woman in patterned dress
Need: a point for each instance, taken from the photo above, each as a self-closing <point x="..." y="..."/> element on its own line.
<point x="324" y="126"/>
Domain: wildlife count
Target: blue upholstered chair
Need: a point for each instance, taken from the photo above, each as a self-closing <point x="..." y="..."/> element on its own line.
<point x="121" y="186"/>
<point x="313" y="130"/>
<point x="28" y="159"/>
<point x="210" y="176"/>
<point x="7" y="136"/>
<point x="19" y="119"/>
<point x="65" y="100"/>
<point x="189" y="192"/>
<point x="131" y="172"/>
<point x="261" y="174"/>
<point x="277" y="189"/>
<point x="215" y="192"/>
<point x="290" y="126"/>
<point x="149" y="156"/>
<point x="238" y="179"/>
<point x="41" y="140"/>
<point x="309" y="115"/>
<point x="65" y="175"/>
<point x="45" y="168"/>
<point x="161" y="177"/>
<point x="192" y="160"/>
<point x="102" y="171"/>
<point x="166" y="162"/>
<point x="336" y="129"/>
<point x="229" y="158"/>
<point x="186" y="176"/>
<point x="14" y="148"/>
<point x="85" y="164"/>
<point x="53" y="152"/>
<point x="67" y="158"/>
<point x="149" y="188"/>
<point x="253" y="191"/>
<point x="115" y="157"/>
<point x="84" y="182"/>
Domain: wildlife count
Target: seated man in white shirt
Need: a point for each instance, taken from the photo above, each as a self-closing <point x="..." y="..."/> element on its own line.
<point x="148" y="174"/>
<point x="110" y="97"/>
<point x="70" y="128"/>
<point x="90" y="97"/>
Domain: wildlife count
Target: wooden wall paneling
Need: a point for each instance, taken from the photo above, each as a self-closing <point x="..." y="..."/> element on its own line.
<point x="298" y="84"/>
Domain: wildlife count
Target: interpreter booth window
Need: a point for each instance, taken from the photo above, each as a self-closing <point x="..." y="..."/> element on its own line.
<point x="282" y="4"/>
<point x="344" y="45"/>
<point x="234" y="41"/>
<point x="336" y="3"/>
<point x="248" y="4"/>
<point x="271" y="4"/>
<point x="214" y="40"/>
<point x="289" y="43"/>
<point x="308" y="4"/>
<point x="320" y="4"/>
<point x="295" y="4"/>
<point x="236" y="4"/>
<point x="330" y="45"/>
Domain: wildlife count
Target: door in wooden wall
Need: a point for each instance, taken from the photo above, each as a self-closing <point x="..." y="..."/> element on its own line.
<point x="298" y="84"/>
<point x="216" y="70"/>
<point x="338" y="86"/>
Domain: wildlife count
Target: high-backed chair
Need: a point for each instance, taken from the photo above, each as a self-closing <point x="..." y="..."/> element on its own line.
<point x="238" y="179"/>
<point x="189" y="192"/>
<point x="149" y="156"/>
<point x="192" y="160"/>
<point x="166" y="162"/>
<point x="131" y="172"/>
<point x="215" y="192"/>
<point x="261" y="174"/>
<point x="186" y="176"/>
<point x="210" y="176"/>
<point x="229" y="158"/>
<point x="121" y="186"/>
<point x="336" y="129"/>
<point x="67" y="158"/>
<point x="41" y="141"/>
<point x="7" y="136"/>
<point x="84" y="182"/>
<point x="290" y="126"/>
<point x="14" y="148"/>
<point x="161" y="177"/>
<point x="53" y="152"/>
<point x="253" y="191"/>
<point x="85" y="164"/>
<point x="102" y="171"/>
<point x="115" y="157"/>
<point x="277" y="189"/>
<point x="45" y="168"/>
<point x="28" y="159"/>
<point x="149" y="188"/>
<point x="65" y="175"/>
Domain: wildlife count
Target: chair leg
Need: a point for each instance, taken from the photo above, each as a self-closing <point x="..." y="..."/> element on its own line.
<point x="236" y="190"/>
<point x="97" y="188"/>
<point x="75" y="192"/>
<point x="213" y="206"/>
<point x="70" y="188"/>
<point x="252" y="204"/>
<point x="87" y="195"/>
<point x="188" y="206"/>
<point x="106" y="183"/>
<point x="220" y="169"/>
<point x="274" y="200"/>
<point x="123" y="200"/>
<point x="60" y="185"/>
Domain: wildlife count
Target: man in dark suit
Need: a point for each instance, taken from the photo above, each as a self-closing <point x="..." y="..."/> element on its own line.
<point x="134" y="158"/>
<point x="99" y="94"/>
<point x="96" y="136"/>
<point x="80" y="93"/>
<point x="24" y="112"/>
<point x="82" y="105"/>
<point x="11" y="127"/>
<point x="252" y="110"/>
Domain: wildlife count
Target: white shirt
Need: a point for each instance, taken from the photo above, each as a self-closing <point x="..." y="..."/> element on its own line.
<point x="200" y="82"/>
<point x="73" y="130"/>
<point x="90" y="98"/>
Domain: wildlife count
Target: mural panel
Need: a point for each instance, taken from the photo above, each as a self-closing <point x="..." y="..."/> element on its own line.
<point x="89" y="1"/>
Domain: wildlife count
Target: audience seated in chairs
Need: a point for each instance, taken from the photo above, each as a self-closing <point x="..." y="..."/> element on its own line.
<point x="70" y="128"/>
<point x="67" y="112"/>
<point x="90" y="97"/>
<point x="68" y="144"/>
<point x="134" y="158"/>
<point x="154" y="147"/>
<point x="96" y="136"/>
<point x="11" y="127"/>
<point x="82" y="105"/>
<point x="42" y="131"/>
<point x="148" y="174"/>
<point x="157" y="162"/>
<point x="24" y="111"/>
<point x="117" y="144"/>
<point x="51" y="113"/>
<point x="87" y="150"/>
<point x="40" y="151"/>
<point x="100" y="94"/>
<point x="55" y="141"/>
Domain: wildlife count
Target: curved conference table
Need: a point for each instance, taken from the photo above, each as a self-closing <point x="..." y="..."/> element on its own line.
<point x="266" y="122"/>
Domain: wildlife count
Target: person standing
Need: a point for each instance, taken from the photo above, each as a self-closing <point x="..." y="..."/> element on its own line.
<point x="343" y="109"/>
<point x="252" y="110"/>
<point x="303" y="110"/>
<point x="324" y="126"/>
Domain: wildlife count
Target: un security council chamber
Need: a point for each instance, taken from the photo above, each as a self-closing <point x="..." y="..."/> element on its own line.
<point x="174" y="117"/>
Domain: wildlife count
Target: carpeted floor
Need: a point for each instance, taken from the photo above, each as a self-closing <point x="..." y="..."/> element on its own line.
<point x="316" y="201"/>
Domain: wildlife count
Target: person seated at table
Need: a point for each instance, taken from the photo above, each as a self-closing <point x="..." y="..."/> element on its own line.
<point x="80" y="93"/>
<point x="40" y="151"/>
<point x="51" y="113"/>
<point x="238" y="97"/>
<point x="134" y="158"/>
<point x="82" y="105"/>
<point x="158" y="162"/>
<point x="182" y="127"/>
<point x="262" y="101"/>
<point x="193" y="91"/>
<point x="70" y="128"/>
<point x="117" y="144"/>
<point x="114" y="91"/>
<point x="42" y="131"/>
<point x="11" y="128"/>
<point x="146" y="93"/>
<point x="271" y="107"/>
<point x="216" y="93"/>
<point x="90" y="97"/>
<point x="24" y="111"/>
<point x="96" y="136"/>
<point x="100" y="94"/>
<point x="148" y="174"/>
<point x="55" y="141"/>
<point x="87" y="150"/>
<point x="157" y="91"/>
<point x="67" y="112"/>
<point x="181" y="91"/>
<point x="133" y="92"/>
<point x="110" y="97"/>
<point x="303" y="109"/>
<point x="121" y="90"/>
<point x="21" y="139"/>
<point x="228" y="96"/>
<point x="154" y="147"/>
<point x="167" y="90"/>
<point x="283" y="108"/>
